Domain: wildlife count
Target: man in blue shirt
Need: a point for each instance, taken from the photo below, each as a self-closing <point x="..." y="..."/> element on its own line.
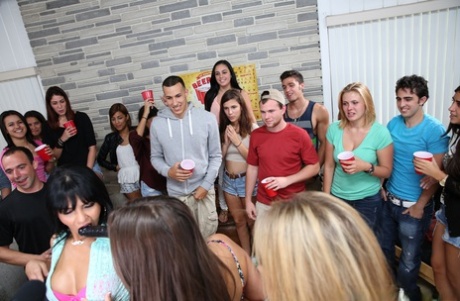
<point x="408" y="209"/>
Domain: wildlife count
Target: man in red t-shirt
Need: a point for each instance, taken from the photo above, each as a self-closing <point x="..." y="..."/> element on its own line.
<point x="279" y="152"/>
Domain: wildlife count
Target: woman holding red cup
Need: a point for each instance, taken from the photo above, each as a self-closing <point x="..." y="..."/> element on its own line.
<point x="16" y="133"/>
<point x="72" y="142"/>
<point x="446" y="235"/>
<point x="356" y="176"/>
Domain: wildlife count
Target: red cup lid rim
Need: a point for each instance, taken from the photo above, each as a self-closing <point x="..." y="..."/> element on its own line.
<point x="40" y="147"/>
<point x="345" y="155"/>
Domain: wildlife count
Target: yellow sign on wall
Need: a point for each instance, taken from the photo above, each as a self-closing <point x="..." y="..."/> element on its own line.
<point x="198" y="83"/>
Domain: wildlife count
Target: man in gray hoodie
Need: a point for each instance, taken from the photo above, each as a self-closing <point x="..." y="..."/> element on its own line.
<point x="180" y="132"/>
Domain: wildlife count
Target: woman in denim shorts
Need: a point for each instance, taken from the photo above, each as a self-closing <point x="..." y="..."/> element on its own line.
<point x="235" y="128"/>
<point x="121" y="155"/>
<point x="446" y="237"/>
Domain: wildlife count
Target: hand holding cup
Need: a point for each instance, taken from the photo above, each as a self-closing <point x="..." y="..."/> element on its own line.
<point x="147" y="95"/>
<point x="268" y="190"/>
<point x="424" y="165"/>
<point x="44" y="152"/>
<point x="418" y="164"/>
<point x="345" y="158"/>
<point x="187" y="164"/>
<point x="70" y="124"/>
<point x="177" y="173"/>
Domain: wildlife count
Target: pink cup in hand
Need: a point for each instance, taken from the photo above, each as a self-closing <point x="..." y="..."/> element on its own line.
<point x="270" y="192"/>
<point x="148" y="95"/>
<point x="41" y="152"/>
<point x="424" y="156"/>
<point x="187" y="164"/>
<point x="345" y="157"/>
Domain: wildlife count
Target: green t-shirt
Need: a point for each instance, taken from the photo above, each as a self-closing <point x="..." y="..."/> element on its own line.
<point x="359" y="185"/>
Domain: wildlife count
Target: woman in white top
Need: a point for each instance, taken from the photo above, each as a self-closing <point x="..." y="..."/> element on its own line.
<point x="121" y="155"/>
<point x="235" y="129"/>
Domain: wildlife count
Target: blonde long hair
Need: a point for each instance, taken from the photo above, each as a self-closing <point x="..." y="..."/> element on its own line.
<point x="318" y="248"/>
<point x="363" y="91"/>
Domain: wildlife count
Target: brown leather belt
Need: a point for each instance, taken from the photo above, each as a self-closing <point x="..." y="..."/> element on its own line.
<point x="233" y="176"/>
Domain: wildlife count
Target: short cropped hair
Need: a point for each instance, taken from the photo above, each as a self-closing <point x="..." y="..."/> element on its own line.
<point x="416" y="84"/>
<point x="172" y="81"/>
<point x="292" y="73"/>
<point x="19" y="149"/>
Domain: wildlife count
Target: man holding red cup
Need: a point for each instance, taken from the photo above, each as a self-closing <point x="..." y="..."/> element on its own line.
<point x="281" y="156"/>
<point x="408" y="209"/>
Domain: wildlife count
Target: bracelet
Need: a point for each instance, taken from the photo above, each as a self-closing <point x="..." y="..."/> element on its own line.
<point x="144" y="117"/>
<point x="241" y="141"/>
<point x="60" y="143"/>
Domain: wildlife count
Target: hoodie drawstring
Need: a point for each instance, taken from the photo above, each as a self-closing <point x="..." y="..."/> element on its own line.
<point x="190" y="122"/>
<point x="169" y="128"/>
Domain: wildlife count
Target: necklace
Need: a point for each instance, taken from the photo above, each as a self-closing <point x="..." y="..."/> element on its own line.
<point x="78" y="242"/>
<point x="299" y="112"/>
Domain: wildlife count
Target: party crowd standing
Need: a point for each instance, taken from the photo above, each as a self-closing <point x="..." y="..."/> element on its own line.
<point x="381" y="188"/>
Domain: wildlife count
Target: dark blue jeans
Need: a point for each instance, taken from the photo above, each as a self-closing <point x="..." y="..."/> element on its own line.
<point x="410" y="232"/>
<point x="370" y="209"/>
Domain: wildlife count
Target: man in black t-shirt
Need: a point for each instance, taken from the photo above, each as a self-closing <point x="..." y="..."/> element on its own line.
<point x="23" y="214"/>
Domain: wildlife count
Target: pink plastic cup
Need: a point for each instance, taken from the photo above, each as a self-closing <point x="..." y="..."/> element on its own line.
<point x="147" y="95"/>
<point x="187" y="164"/>
<point x="424" y="156"/>
<point x="270" y="192"/>
<point x="41" y="152"/>
<point x="345" y="157"/>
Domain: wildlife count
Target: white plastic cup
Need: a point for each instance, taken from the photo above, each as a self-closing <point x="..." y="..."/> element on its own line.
<point x="187" y="164"/>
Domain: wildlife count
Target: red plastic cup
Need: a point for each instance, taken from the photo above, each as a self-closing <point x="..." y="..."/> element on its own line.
<point x="345" y="157"/>
<point x="187" y="164"/>
<point x="148" y="95"/>
<point x="41" y="152"/>
<point x="424" y="156"/>
<point x="70" y="124"/>
<point x="270" y="192"/>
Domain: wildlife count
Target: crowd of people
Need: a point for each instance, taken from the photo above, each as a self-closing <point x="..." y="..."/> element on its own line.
<point x="338" y="239"/>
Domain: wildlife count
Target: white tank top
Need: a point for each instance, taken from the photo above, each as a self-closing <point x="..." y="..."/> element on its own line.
<point x="129" y="168"/>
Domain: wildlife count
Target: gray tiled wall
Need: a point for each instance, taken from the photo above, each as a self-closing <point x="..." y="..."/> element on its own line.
<point x="107" y="51"/>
